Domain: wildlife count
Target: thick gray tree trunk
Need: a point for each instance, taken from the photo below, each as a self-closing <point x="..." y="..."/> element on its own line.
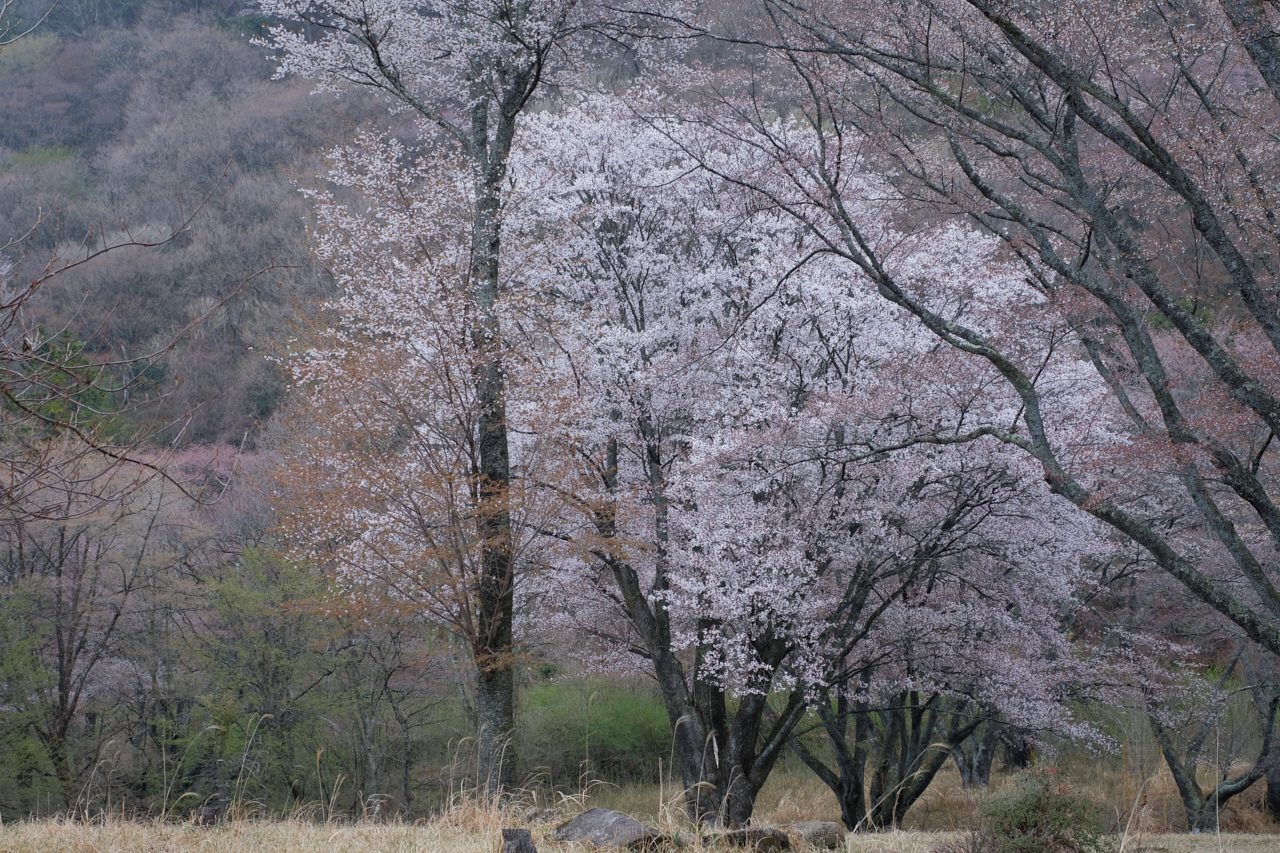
<point x="494" y="643"/>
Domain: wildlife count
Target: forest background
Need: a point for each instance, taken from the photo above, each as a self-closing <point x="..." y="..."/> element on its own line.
<point x="172" y="647"/>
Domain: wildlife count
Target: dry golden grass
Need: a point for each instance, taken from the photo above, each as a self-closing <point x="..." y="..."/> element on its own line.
<point x="915" y="841"/>
<point x="789" y="797"/>
<point x="1225" y="843"/>
<point x="237" y="837"/>
<point x="1145" y="807"/>
<point x="648" y="803"/>
<point x="899" y="841"/>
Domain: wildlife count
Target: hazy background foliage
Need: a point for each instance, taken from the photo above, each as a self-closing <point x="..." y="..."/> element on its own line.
<point x="141" y="113"/>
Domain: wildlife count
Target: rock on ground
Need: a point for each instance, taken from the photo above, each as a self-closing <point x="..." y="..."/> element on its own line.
<point x="606" y="828"/>
<point x="819" y="833"/>
<point x="762" y="839"/>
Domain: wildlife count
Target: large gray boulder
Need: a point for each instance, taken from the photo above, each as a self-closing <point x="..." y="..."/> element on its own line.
<point x="606" y="828"/>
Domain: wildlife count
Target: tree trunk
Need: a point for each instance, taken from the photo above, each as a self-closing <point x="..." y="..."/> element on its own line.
<point x="975" y="763"/>
<point x="1273" y="791"/>
<point x="1263" y="689"/>
<point x="1201" y="808"/>
<point x="495" y="711"/>
<point x="724" y="757"/>
<point x="370" y="761"/>
<point x="913" y="748"/>
<point x="846" y="780"/>
<point x="1201" y="811"/>
<point x="1018" y="752"/>
<point x="495" y="696"/>
<point x="693" y="713"/>
<point x="753" y="746"/>
<point x="60" y="757"/>
<point x="406" y="760"/>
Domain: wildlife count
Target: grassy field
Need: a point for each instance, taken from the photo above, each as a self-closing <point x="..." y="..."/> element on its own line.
<point x="443" y="837"/>
<point x="1151" y="820"/>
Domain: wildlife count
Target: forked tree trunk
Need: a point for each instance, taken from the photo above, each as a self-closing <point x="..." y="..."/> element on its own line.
<point x="1203" y="808"/>
<point x="724" y="756"/>
<point x="975" y="757"/>
<point x="904" y="745"/>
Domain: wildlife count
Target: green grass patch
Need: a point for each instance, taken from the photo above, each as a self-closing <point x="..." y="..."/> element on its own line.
<point x="27" y="55"/>
<point x="609" y="729"/>
<point x="38" y="156"/>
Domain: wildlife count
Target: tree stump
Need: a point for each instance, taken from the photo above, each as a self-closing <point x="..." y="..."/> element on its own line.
<point x="517" y="841"/>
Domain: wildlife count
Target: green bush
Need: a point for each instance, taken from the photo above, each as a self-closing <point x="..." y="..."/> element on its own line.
<point x="1040" y="816"/>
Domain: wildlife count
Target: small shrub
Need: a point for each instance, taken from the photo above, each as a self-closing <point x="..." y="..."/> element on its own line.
<point x="1038" y="816"/>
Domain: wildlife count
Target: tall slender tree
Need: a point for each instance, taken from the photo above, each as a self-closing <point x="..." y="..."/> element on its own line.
<point x="466" y="71"/>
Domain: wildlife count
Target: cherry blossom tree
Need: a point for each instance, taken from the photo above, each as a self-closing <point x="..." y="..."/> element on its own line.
<point x="1122" y="152"/>
<point x="717" y="420"/>
<point x="730" y="399"/>
<point x="698" y="418"/>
